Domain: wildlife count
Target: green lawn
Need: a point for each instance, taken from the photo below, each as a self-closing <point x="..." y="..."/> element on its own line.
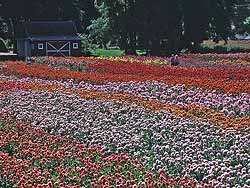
<point x="103" y="52"/>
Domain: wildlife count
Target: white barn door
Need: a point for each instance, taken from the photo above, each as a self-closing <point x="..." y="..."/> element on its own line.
<point x="58" y="48"/>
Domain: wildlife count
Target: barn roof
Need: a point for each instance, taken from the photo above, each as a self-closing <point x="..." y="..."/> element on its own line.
<point x="41" y="29"/>
<point x="51" y="38"/>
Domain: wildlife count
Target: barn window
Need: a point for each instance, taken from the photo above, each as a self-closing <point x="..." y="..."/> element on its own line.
<point x="75" y="45"/>
<point x="40" y="46"/>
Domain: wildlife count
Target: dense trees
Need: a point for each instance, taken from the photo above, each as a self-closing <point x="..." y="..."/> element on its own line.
<point x="165" y="26"/>
<point x="160" y="26"/>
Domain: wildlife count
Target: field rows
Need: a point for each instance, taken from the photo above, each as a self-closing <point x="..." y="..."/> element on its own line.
<point x="125" y="122"/>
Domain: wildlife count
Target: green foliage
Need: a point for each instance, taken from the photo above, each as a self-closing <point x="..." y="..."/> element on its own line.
<point x="5" y="30"/>
<point x="247" y="21"/>
<point x="141" y="52"/>
<point x="100" y="28"/>
<point x="98" y="31"/>
<point x="2" y="125"/>
<point x="9" y="44"/>
<point x="4" y="182"/>
<point x="3" y="47"/>
<point x="247" y="25"/>
<point x="87" y="45"/>
<point x="10" y="148"/>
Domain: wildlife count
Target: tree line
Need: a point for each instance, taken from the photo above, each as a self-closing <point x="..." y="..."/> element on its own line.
<point x="161" y="26"/>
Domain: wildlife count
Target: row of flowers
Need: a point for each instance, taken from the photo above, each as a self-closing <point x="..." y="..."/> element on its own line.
<point x="189" y="110"/>
<point x="211" y="61"/>
<point x="189" y="60"/>
<point x="152" y="60"/>
<point x="121" y="59"/>
<point x="237" y="105"/>
<point x="130" y="67"/>
<point x="47" y="72"/>
<point x="106" y="66"/>
<point x="214" y="57"/>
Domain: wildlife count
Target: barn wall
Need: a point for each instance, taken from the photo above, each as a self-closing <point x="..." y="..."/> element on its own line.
<point x="20" y="48"/>
<point x="27" y="48"/>
<point x="75" y="52"/>
<point x="23" y="48"/>
<point x="34" y="48"/>
<point x="36" y="52"/>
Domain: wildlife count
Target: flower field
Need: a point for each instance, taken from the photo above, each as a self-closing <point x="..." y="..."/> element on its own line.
<point x="126" y="122"/>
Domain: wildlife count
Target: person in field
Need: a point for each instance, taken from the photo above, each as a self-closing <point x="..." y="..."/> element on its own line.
<point x="174" y="60"/>
<point x="28" y="60"/>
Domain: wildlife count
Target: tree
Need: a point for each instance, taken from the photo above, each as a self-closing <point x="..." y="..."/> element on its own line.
<point x="221" y="19"/>
<point x="166" y="26"/>
<point x="246" y="25"/>
<point x="213" y="19"/>
<point x="100" y="28"/>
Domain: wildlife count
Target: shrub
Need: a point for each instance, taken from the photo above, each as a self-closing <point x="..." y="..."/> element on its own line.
<point x="87" y="45"/>
<point x="3" y="47"/>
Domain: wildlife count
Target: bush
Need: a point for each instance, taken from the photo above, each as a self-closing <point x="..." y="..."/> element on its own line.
<point x="3" y="47"/>
<point x="87" y="46"/>
<point x="220" y="50"/>
<point x="9" y="44"/>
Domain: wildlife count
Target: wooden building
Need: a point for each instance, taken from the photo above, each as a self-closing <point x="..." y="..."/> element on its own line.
<point x="47" y="39"/>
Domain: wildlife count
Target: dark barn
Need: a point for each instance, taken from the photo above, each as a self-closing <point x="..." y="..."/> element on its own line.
<point x="47" y="39"/>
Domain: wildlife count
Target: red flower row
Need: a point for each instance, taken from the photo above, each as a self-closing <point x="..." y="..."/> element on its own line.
<point x="128" y="68"/>
<point x="46" y="72"/>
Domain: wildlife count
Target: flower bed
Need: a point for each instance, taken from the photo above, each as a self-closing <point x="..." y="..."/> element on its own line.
<point x="30" y="157"/>
<point x="124" y="122"/>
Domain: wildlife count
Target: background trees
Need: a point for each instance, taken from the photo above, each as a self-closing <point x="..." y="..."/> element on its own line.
<point x="242" y="17"/>
<point x="161" y="26"/>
